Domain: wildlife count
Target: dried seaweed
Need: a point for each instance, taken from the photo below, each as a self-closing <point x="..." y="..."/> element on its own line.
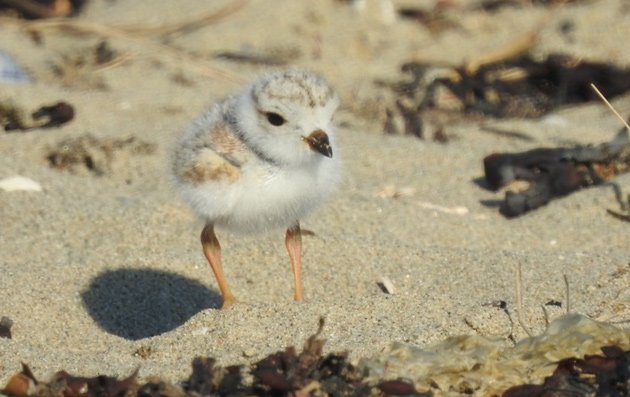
<point x="435" y="19"/>
<point x="63" y="384"/>
<point x="552" y="173"/>
<point x="508" y="83"/>
<point x="494" y="5"/>
<point x="601" y="375"/>
<point x="526" y="87"/>
<point x="47" y="116"/>
<point x="34" y="9"/>
<point x="54" y="115"/>
<point x="288" y="372"/>
<point x="5" y="327"/>
<point x="12" y="117"/>
<point x="285" y="373"/>
<point x="20" y="384"/>
<point x="465" y="362"/>
<point x="209" y="379"/>
<point x="624" y="206"/>
<point x="483" y="366"/>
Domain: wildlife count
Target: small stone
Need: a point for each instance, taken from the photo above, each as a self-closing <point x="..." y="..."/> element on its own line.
<point x="247" y="353"/>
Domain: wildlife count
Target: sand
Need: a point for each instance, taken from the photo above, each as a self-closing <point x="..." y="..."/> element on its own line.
<point x="95" y="268"/>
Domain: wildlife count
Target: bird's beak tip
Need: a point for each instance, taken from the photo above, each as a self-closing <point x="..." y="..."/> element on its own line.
<point x="318" y="141"/>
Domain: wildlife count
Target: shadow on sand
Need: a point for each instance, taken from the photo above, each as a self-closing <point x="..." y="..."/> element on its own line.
<point x="140" y="303"/>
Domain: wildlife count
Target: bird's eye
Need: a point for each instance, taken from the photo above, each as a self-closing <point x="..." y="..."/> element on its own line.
<point x="275" y="119"/>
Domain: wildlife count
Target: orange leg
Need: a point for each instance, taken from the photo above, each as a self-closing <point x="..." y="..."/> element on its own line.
<point x="212" y="251"/>
<point x="293" y="242"/>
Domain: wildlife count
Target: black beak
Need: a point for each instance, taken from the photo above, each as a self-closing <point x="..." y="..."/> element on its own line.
<point x="318" y="141"/>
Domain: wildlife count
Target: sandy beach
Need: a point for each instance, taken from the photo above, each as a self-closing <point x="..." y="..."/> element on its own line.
<point x="101" y="265"/>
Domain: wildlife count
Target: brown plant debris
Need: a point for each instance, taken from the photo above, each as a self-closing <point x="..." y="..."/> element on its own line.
<point x="308" y="373"/>
<point x="5" y="327"/>
<point x="12" y="117"/>
<point x="472" y="366"/>
<point x="79" y="67"/>
<point x="624" y="205"/>
<point x="552" y="173"/>
<point x="47" y="116"/>
<point x="21" y="384"/>
<point x="466" y="365"/>
<point x="208" y="379"/>
<point x="273" y="57"/>
<point x="54" y="115"/>
<point x="508" y="83"/>
<point x="104" y="54"/>
<point x="285" y="373"/>
<point x="594" y="375"/>
<point x="494" y="5"/>
<point x="435" y="19"/>
<point x="87" y="154"/>
<point x="63" y="384"/>
<point x="34" y="9"/>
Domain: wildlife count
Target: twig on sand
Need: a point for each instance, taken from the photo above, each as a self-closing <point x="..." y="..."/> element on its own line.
<point x="519" y="300"/>
<point x="180" y="27"/>
<point x="603" y="98"/>
<point x="148" y="38"/>
<point x="546" y="314"/>
<point x="567" y="294"/>
<point x="625" y="206"/>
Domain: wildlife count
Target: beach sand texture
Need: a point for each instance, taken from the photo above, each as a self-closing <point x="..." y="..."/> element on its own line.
<point x="95" y="267"/>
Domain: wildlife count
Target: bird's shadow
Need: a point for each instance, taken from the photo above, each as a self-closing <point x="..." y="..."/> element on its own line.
<point x="140" y="303"/>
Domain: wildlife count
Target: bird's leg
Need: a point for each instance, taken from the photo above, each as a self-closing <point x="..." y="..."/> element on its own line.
<point x="293" y="242"/>
<point x="212" y="251"/>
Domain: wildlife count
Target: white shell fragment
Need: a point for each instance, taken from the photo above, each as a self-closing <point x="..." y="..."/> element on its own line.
<point x="386" y="285"/>
<point x="458" y="210"/>
<point x="19" y="183"/>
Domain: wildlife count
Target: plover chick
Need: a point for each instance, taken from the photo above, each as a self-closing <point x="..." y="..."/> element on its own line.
<point x="260" y="161"/>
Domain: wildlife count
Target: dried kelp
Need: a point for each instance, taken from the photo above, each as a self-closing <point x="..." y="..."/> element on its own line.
<point x="53" y="115"/>
<point x="209" y="379"/>
<point x="552" y="173"/>
<point x="285" y="373"/>
<point x="510" y="83"/>
<point x="309" y="372"/>
<point x="435" y="19"/>
<point x="601" y="375"/>
<point x="12" y="117"/>
<point x="462" y="365"/>
<point x="63" y="384"/>
<point x="475" y="365"/>
<point x="526" y="87"/>
<point x="47" y="116"/>
<point x="494" y="5"/>
<point x="5" y="327"/>
<point x="624" y="206"/>
<point x="34" y="9"/>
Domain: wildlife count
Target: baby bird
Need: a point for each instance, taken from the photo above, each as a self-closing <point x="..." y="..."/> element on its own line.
<point x="260" y="161"/>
